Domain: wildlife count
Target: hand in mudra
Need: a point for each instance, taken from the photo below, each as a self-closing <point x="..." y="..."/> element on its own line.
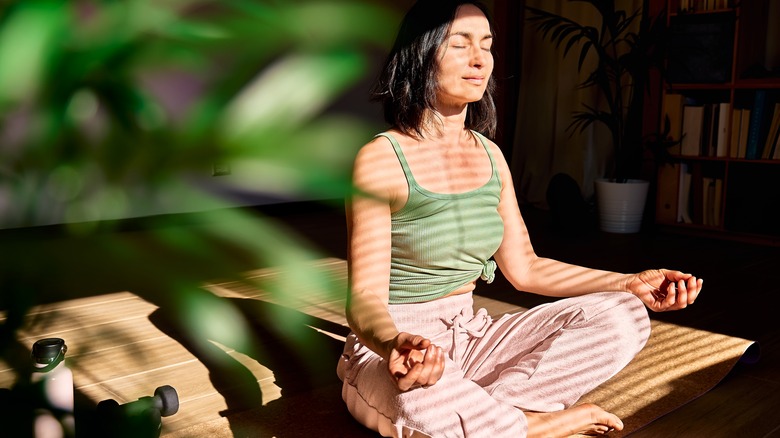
<point x="662" y="289"/>
<point x="415" y="362"/>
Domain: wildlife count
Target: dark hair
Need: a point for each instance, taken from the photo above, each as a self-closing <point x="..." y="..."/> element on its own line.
<point x="407" y="84"/>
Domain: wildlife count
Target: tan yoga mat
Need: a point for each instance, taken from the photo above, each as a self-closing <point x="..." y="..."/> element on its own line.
<point x="677" y="365"/>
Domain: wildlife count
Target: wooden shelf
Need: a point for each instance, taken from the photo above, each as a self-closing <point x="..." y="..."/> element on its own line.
<point x="687" y="87"/>
<point x="710" y="12"/>
<point x="725" y="195"/>
<point x="767" y="83"/>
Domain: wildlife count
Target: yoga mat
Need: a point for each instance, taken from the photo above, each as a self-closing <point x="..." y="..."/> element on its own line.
<point x="678" y="365"/>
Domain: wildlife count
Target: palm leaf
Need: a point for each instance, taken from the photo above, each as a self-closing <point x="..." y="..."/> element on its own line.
<point x="581" y="120"/>
<point x="623" y="59"/>
<point x="557" y="28"/>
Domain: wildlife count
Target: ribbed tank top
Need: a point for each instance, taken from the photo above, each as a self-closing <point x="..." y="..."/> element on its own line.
<point x="442" y="241"/>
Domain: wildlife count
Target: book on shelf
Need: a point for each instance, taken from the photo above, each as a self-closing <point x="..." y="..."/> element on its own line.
<point x="776" y="153"/>
<point x="666" y="201"/>
<point x="718" y="202"/>
<point x="698" y="198"/>
<point x="684" y="195"/>
<point x="736" y="122"/>
<point x="776" y="141"/>
<point x="703" y="5"/>
<point x="743" y="133"/>
<point x="712" y="193"/>
<point x="705" y="148"/>
<point x="723" y="130"/>
<point x="708" y="190"/>
<point x="692" y="127"/>
<point x="704" y="127"/>
<point x="723" y="107"/>
<point x="758" y="126"/>
<point x="673" y="112"/>
<point x="774" y="127"/>
<point x="715" y="129"/>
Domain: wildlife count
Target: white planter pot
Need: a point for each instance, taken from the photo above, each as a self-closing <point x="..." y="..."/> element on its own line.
<point x="621" y="205"/>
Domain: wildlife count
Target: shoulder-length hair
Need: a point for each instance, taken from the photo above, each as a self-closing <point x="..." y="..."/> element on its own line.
<point x="407" y="83"/>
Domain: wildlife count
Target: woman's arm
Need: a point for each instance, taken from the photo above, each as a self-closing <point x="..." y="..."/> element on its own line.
<point x="659" y="289"/>
<point x="411" y="359"/>
<point x="528" y="272"/>
<point x="368" y="251"/>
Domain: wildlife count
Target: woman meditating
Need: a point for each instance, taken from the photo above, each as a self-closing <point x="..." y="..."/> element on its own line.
<point x="435" y="211"/>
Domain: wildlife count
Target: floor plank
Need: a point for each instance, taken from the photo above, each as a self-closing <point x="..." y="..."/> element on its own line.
<point x="744" y="399"/>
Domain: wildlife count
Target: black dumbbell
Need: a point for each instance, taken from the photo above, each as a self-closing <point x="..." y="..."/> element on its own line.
<point x="139" y="419"/>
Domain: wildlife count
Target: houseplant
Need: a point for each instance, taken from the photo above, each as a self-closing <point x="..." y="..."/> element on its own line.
<point x="114" y="113"/>
<point x="626" y="46"/>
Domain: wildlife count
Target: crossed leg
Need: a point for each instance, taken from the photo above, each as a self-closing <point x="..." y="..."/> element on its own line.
<point x="520" y="379"/>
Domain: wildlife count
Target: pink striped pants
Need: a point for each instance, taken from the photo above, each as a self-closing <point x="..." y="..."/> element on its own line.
<point x="540" y="360"/>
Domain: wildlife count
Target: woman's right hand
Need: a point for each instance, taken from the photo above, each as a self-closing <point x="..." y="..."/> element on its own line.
<point x="415" y="362"/>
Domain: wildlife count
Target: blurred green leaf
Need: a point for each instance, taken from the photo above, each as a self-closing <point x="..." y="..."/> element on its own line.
<point x="290" y="92"/>
<point x="118" y="109"/>
<point x="29" y="36"/>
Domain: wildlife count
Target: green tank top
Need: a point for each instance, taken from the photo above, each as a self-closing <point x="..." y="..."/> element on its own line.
<point x="442" y="241"/>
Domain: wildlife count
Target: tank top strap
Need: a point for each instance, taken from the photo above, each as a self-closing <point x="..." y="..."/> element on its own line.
<point x="405" y="165"/>
<point x="484" y="142"/>
<point x="401" y="158"/>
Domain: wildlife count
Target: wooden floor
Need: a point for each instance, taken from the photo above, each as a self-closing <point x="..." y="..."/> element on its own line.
<point x="740" y="288"/>
<point x="739" y="298"/>
<point x="280" y="382"/>
<point x="741" y="282"/>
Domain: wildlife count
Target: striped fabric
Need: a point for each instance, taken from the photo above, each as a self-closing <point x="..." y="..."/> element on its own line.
<point x="443" y="241"/>
<point x="541" y="360"/>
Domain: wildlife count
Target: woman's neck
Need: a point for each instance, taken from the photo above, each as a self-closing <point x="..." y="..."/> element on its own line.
<point x="448" y="125"/>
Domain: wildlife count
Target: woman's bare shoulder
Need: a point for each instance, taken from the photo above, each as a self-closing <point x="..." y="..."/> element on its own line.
<point x="378" y="145"/>
<point x="376" y="153"/>
<point x="494" y="148"/>
<point x="377" y="168"/>
<point x="497" y="153"/>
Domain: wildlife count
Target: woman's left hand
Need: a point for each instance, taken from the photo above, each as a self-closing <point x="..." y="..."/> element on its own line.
<point x="662" y="290"/>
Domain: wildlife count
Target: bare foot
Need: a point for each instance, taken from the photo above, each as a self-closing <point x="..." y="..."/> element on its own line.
<point x="585" y="419"/>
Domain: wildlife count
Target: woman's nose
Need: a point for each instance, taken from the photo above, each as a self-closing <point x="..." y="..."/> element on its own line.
<point x="478" y="57"/>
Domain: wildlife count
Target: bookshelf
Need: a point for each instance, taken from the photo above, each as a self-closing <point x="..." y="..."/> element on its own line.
<point x="722" y="101"/>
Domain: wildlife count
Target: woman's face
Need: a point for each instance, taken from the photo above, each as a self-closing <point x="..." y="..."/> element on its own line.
<point x="465" y="60"/>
